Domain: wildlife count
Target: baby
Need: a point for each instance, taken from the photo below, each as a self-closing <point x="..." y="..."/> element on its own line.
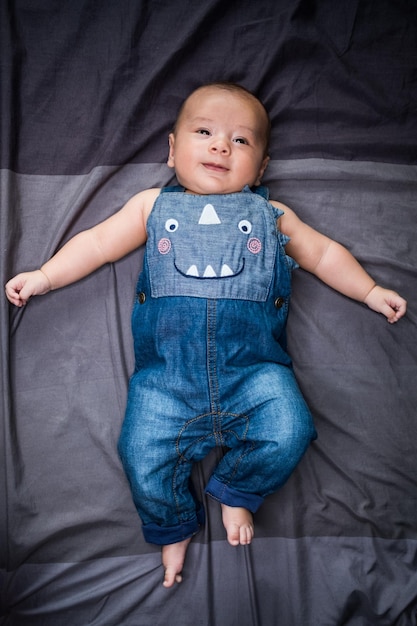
<point x="209" y="321"/>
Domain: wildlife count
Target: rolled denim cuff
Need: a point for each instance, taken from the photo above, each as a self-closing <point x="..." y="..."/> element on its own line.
<point x="233" y="497"/>
<point x="164" y="535"/>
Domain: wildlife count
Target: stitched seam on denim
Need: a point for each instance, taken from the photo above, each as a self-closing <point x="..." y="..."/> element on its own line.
<point x="182" y="460"/>
<point x="239" y="459"/>
<point x="178" y="507"/>
<point x="174" y="491"/>
<point x="184" y="428"/>
<point x="245" y="452"/>
<point x="183" y="457"/>
<point x="212" y="369"/>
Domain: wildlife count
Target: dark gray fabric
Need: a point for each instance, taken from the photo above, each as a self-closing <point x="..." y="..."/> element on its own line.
<point x="310" y="580"/>
<point x="89" y="93"/>
<point x="90" y="83"/>
<point x="354" y="493"/>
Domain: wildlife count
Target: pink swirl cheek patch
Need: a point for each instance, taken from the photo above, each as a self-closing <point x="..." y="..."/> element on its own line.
<point x="254" y="245"/>
<point x="164" y="245"/>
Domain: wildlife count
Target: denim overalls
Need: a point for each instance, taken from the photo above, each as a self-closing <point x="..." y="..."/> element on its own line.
<point x="211" y="366"/>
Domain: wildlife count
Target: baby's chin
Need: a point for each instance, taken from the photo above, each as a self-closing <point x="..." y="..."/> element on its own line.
<point x="214" y="189"/>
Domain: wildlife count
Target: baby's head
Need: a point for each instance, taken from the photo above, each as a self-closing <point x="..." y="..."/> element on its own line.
<point x="220" y="140"/>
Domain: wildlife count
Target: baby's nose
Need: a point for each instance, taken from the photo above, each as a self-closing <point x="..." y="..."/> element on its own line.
<point x="220" y="145"/>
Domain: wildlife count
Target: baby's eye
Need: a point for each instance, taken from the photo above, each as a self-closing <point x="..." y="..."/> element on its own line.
<point x="245" y="227"/>
<point x="241" y="140"/>
<point x="203" y="131"/>
<point x="171" y="225"/>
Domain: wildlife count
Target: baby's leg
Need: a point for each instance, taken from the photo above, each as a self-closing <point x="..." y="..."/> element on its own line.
<point x="238" y="523"/>
<point x="173" y="556"/>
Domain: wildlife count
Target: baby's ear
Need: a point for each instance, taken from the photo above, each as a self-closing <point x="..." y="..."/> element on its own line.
<point x="171" y="140"/>
<point x="262" y="169"/>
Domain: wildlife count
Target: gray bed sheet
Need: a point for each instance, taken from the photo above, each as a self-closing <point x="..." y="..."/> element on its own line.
<point x="89" y="94"/>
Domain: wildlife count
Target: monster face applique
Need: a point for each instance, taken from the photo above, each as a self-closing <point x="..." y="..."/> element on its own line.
<point x="218" y="246"/>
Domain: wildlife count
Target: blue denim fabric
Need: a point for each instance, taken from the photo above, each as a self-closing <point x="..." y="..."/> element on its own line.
<point x="211" y="367"/>
<point x="218" y="231"/>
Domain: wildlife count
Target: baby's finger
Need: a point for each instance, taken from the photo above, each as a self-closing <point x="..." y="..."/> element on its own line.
<point x="394" y="313"/>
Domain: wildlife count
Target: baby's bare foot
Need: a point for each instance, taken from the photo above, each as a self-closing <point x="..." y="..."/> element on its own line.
<point x="173" y="556"/>
<point x="238" y="523"/>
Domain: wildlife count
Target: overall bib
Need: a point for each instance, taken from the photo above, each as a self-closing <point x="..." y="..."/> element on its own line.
<point x="211" y="367"/>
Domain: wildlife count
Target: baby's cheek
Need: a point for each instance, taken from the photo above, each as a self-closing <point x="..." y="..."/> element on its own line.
<point x="164" y="245"/>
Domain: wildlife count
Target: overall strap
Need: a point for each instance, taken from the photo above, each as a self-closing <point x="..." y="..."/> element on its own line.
<point x="261" y="191"/>
<point x="172" y="188"/>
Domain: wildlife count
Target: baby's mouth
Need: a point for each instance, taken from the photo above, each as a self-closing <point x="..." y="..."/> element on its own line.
<point x="215" y="167"/>
<point x="209" y="272"/>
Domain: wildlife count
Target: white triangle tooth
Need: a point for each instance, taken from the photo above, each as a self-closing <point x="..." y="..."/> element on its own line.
<point x="192" y="271"/>
<point x="226" y="271"/>
<point x="209" y="215"/>
<point x="209" y="272"/>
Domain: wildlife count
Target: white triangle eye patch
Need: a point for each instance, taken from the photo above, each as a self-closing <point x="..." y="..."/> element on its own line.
<point x="209" y="215"/>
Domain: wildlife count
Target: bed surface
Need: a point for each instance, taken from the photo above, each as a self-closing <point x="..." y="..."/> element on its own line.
<point x="89" y="94"/>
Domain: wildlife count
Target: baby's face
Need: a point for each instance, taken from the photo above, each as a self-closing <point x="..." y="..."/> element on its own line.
<point x="219" y="143"/>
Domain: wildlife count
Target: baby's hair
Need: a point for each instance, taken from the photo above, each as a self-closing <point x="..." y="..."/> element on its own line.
<point x="240" y="90"/>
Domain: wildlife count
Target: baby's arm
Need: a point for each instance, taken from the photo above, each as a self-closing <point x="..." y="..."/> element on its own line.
<point x="90" y="249"/>
<point x="335" y="265"/>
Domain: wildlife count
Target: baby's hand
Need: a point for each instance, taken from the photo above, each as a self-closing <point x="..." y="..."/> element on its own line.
<point x="387" y="302"/>
<point x="20" y="288"/>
